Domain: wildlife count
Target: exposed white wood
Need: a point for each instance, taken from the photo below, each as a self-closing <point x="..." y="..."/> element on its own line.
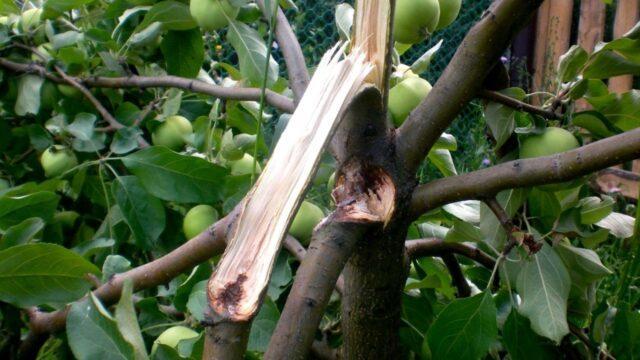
<point x="243" y="273"/>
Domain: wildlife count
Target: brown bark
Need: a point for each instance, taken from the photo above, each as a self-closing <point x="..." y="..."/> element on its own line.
<point x="226" y="341"/>
<point x="528" y="172"/>
<point x="374" y="279"/>
<point x="332" y="244"/>
<point x="276" y="100"/>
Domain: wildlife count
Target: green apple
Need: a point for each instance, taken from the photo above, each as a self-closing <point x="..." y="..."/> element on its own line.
<point x="406" y="96"/>
<point x="308" y="216"/>
<point x="415" y="20"/>
<point x="172" y="337"/>
<point x="57" y="160"/>
<point x="552" y="141"/>
<point x="449" y="10"/>
<point x="198" y="219"/>
<point x="4" y="184"/>
<point x="244" y="166"/>
<point x="212" y="14"/>
<point x="172" y="132"/>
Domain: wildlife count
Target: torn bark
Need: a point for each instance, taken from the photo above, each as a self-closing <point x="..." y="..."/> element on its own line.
<point x="237" y="285"/>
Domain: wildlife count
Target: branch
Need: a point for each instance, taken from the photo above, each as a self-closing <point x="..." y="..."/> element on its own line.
<point x="518" y="105"/>
<point x="226" y="340"/>
<point x="292" y="53"/>
<point x="160" y="271"/>
<point x="464" y="290"/>
<point x="328" y="252"/>
<point x="528" y="172"/>
<point x="462" y="79"/>
<point x="280" y="102"/>
<point x="438" y="247"/>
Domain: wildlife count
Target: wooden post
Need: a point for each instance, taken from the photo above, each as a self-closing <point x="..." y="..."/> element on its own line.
<point x="592" y="20"/>
<point x="552" y="40"/>
<point x="593" y="15"/>
<point x="626" y="18"/>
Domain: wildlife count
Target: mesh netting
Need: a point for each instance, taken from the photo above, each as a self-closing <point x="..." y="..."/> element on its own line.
<point x="315" y="27"/>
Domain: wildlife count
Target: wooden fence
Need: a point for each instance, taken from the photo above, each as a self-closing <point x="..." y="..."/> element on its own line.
<point x="555" y="31"/>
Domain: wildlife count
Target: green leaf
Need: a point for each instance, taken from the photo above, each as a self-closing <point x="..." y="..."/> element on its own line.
<point x="183" y="52"/>
<point x="173" y="15"/>
<point x="36" y="274"/>
<point x="596" y="123"/>
<point x="607" y="64"/>
<point x="584" y="265"/>
<point x="623" y="110"/>
<point x="625" y="337"/>
<point x="252" y="54"/>
<point x="125" y="140"/>
<point x="571" y="63"/>
<point x="468" y="210"/>
<point x="544" y="284"/>
<point x="344" y="20"/>
<point x="199" y="273"/>
<point x="54" y="8"/>
<point x="28" y="101"/>
<point x="620" y="225"/>
<point x="594" y="209"/>
<point x="463" y="231"/>
<point x="22" y="233"/>
<point x="114" y="264"/>
<point x="16" y="209"/>
<point x="492" y="231"/>
<point x="86" y="138"/>
<point x="465" y="329"/>
<point x="263" y="326"/>
<point x="446" y="142"/>
<point x="422" y="64"/>
<point x="8" y="7"/>
<point x="524" y="344"/>
<point x="127" y="321"/>
<point x="142" y="212"/>
<point x="501" y="118"/>
<point x="442" y="160"/>
<point x="281" y="277"/>
<point x="93" y="333"/>
<point x="197" y="301"/>
<point x="174" y="177"/>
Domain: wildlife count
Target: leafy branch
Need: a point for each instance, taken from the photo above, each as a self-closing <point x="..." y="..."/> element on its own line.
<point x="276" y="100"/>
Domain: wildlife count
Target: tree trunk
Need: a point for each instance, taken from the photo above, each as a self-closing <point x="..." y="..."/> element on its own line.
<point x="372" y="303"/>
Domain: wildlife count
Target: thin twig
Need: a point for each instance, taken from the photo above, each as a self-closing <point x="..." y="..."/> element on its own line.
<point x="509" y="228"/>
<point x="279" y="102"/>
<point x="518" y="105"/>
<point x="464" y="290"/>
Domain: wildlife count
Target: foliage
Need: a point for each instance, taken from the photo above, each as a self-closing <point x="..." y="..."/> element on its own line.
<point x="122" y="204"/>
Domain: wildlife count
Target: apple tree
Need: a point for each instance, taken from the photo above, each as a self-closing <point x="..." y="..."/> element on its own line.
<point x="128" y="148"/>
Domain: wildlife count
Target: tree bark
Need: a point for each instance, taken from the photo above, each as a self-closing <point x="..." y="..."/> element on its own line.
<point x="371" y="306"/>
<point x="226" y="341"/>
<point x="332" y="244"/>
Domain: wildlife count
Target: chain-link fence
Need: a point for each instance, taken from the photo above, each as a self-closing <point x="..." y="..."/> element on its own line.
<point x="314" y="25"/>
